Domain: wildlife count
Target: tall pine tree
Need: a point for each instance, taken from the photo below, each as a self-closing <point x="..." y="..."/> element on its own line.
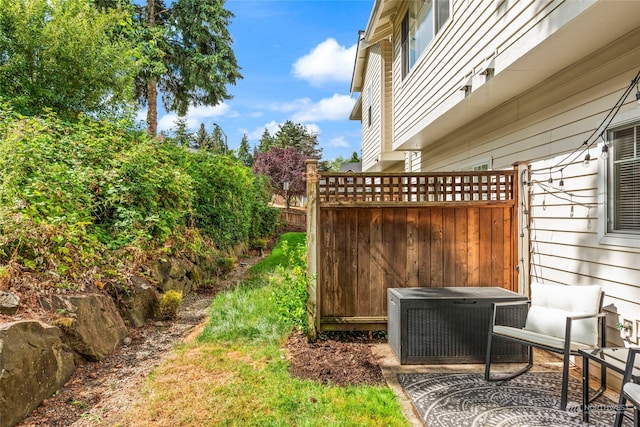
<point x="181" y="133"/>
<point x="295" y="135"/>
<point x="244" y="155"/>
<point x="201" y="139"/>
<point x="266" y="142"/>
<point x="187" y="52"/>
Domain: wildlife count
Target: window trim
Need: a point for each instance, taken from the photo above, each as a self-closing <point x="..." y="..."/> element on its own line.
<point x="369" y="103"/>
<point x="606" y="237"/>
<point x="406" y="34"/>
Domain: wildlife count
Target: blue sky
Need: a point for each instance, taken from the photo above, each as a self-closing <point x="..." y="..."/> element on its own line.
<point x="297" y="59"/>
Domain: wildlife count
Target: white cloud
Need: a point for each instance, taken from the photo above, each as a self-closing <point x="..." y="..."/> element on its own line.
<point x="295" y="105"/>
<point x="273" y="128"/>
<point x="256" y="134"/>
<point x="338" y="142"/>
<point x="327" y="62"/>
<point x="313" y="128"/>
<point x="195" y="116"/>
<point x="337" y="107"/>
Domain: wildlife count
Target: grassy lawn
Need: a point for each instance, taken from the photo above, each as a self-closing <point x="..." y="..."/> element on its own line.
<point x="235" y="373"/>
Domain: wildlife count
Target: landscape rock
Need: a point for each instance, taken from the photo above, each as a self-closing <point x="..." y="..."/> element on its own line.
<point x="9" y="303"/>
<point x="196" y="278"/>
<point x="33" y="365"/>
<point x="179" y="268"/>
<point x="140" y="303"/>
<point x="98" y="328"/>
<point x="183" y="285"/>
<point x="160" y="270"/>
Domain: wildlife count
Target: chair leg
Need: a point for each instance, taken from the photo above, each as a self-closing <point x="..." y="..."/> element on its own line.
<point x="603" y="383"/>
<point x="565" y="383"/>
<point x="636" y="417"/>
<point x="487" y="361"/>
<point x="487" y="367"/>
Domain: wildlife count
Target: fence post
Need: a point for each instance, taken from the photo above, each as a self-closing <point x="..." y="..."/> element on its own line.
<point x="312" y="248"/>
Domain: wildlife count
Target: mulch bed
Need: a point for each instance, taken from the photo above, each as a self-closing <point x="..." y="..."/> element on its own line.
<point x="341" y="359"/>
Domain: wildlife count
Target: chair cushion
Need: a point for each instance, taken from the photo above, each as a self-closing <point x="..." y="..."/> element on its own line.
<point x="552" y="304"/>
<point x="537" y="338"/>
<point x="632" y="392"/>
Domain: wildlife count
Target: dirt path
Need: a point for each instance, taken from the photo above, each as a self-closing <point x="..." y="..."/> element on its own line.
<point x="98" y="394"/>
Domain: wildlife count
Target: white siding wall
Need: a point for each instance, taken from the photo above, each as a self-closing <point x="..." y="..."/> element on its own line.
<point x="386" y="100"/>
<point x="476" y="31"/>
<point x="538" y="124"/>
<point x="542" y="127"/>
<point x="372" y="135"/>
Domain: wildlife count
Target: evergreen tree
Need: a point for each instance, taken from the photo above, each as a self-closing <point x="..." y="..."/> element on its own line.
<point x="244" y="155"/>
<point x="297" y="136"/>
<point x="181" y="133"/>
<point x="187" y="54"/>
<point x="266" y="142"/>
<point x="218" y="141"/>
<point x="201" y="139"/>
<point x="354" y="158"/>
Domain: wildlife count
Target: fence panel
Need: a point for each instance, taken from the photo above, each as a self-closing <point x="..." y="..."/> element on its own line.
<point x="380" y="231"/>
<point x="293" y="218"/>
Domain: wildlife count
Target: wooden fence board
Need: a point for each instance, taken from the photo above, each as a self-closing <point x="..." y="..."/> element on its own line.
<point x="462" y="247"/>
<point x="377" y="271"/>
<point x="473" y="238"/>
<point x="437" y="252"/>
<point x="371" y="239"/>
<point x="424" y="247"/>
<point x="364" y="283"/>
<point x="412" y="276"/>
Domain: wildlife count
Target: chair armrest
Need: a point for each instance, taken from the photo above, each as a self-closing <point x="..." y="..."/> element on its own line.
<point x="500" y="304"/>
<point x="496" y="305"/>
<point x="570" y="319"/>
<point x="628" y="370"/>
<point x="585" y="316"/>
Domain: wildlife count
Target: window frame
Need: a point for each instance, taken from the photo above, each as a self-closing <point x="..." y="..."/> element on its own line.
<point x="605" y="186"/>
<point x="369" y="104"/>
<point x="439" y="13"/>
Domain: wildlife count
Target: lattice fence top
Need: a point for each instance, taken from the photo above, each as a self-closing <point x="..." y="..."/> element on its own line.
<point x="414" y="188"/>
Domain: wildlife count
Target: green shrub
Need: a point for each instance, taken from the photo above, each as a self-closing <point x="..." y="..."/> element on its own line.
<point x="289" y="284"/>
<point x="80" y="197"/>
<point x="225" y="264"/>
<point x="168" y="305"/>
<point x="264" y="218"/>
<point x="230" y="203"/>
<point x="143" y="196"/>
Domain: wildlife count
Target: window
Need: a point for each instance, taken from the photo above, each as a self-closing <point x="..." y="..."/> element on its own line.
<point x="623" y="186"/>
<point x="369" y="102"/>
<point x="423" y="21"/>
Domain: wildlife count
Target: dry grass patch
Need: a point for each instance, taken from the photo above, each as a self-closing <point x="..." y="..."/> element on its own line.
<point x="182" y="390"/>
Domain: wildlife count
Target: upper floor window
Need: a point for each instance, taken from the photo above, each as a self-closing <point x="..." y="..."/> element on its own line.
<point x="369" y="104"/>
<point x="623" y="192"/>
<point x="423" y="21"/>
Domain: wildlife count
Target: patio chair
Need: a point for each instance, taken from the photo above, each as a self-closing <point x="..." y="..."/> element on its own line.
<point x="630" y="391"/>
<point x="632" y="394"/>
<point x="561" y="319"/>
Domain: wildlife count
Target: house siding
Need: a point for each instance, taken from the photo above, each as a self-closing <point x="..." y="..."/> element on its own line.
<point x="372" y="134"/>
<point x="534" y="111"/>
<point x="542" y="127"/>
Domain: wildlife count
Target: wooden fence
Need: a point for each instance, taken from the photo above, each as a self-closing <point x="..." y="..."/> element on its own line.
<point x="370" y="232"/>
<point x="293" y="218"/>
